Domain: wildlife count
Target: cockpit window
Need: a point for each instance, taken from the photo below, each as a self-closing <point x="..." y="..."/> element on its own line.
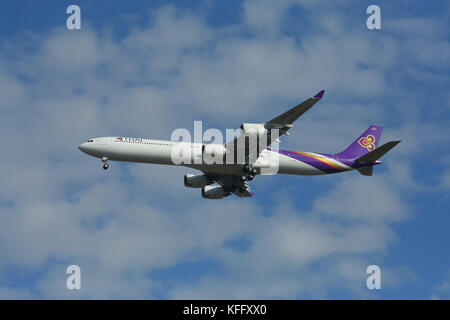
<point x="90" y="140"/>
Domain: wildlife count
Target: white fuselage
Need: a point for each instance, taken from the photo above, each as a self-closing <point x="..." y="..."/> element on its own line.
<point x="161" y="152"/>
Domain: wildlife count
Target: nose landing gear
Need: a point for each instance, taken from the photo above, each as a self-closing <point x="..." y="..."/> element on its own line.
<point x="105" y="163"/>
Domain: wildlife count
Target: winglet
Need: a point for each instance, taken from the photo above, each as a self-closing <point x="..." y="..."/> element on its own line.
<point x="319" y="95"/>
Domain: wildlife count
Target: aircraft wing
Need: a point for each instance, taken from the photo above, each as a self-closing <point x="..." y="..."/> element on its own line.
<point x="282" y="123"/>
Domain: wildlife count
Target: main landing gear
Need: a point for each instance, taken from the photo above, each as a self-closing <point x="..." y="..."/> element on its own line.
<point x="242" y="186"/>
<point x="249" y="174"/>
<point x="105" y="163"/>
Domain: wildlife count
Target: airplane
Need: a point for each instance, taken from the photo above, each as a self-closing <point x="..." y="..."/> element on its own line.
<point x="219" y="180"/>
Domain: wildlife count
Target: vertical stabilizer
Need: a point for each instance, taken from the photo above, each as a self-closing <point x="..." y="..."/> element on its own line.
<point x="365" y="143"/>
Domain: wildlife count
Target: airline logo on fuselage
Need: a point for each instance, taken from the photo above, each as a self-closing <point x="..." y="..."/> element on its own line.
<point x="123" y="139"/>
<point x="367" y="142"/>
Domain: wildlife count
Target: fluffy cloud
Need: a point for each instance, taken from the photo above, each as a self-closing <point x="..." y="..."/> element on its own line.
<point x="58" y="207"/>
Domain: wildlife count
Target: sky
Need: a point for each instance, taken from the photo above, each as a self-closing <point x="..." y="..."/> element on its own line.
<point x="145" y="68"/>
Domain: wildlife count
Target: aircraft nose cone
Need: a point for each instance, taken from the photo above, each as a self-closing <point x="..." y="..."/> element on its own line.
<point x="82" y="147"/>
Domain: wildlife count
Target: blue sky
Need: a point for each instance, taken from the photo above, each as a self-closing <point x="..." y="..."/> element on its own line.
<point x="146" y="68"/>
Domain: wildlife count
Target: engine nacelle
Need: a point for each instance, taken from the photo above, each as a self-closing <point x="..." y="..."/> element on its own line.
<point x="213" y="192"/>
<point x="254" y="128"/>
<point x="196" y="180"/>
<point x="214" y="151"/>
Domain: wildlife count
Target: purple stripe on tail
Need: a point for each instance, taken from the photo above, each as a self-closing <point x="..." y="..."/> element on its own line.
<point x="365" y="143"/>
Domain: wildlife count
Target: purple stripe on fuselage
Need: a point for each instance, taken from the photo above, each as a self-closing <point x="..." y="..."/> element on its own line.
<point x="316" y="163"/>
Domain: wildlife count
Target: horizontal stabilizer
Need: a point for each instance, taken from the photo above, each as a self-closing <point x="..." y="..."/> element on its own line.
<point x="377" y="153"/>
<point x="366" y="171"/>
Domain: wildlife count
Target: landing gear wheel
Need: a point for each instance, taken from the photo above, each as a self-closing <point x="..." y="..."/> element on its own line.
<point x="243" y="178"/>
<point x="242" y="188"/>
<point x="250" y="177"/>
<point x="105" y="163"/>
<point x="253" y="171"/>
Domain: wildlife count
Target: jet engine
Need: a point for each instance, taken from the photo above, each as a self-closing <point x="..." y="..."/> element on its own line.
<point x="196" y="180"/>
<point x="254" y="128"/>
<point x="214" y="192"/>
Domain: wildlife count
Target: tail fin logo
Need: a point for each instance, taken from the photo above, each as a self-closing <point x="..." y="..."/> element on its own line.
<point x="367" y="142"/>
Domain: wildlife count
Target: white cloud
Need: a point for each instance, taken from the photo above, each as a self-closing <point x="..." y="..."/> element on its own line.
<point x="121" y="224"/>
<point x="359" y="198"/>
<point x="442" y="291"/>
